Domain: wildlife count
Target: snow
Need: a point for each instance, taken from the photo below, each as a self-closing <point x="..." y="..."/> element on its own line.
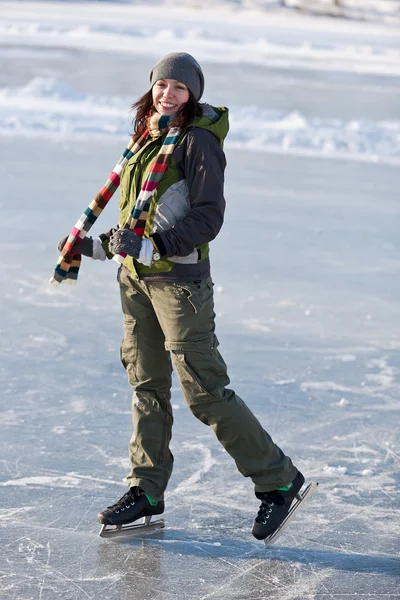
<point x="306" y="301"/>
<point x="46" y="107"/>
<point x="367" y="472"/>
<point x="335" y="470"/>
<point x="343" y="402"/>
<point x="385" y="10"/>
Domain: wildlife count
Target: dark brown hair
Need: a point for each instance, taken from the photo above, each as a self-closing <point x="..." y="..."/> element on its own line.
<point x="191" y="109"/>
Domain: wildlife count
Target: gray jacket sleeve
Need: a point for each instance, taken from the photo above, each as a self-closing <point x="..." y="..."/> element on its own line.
<point x="202" y="161"/>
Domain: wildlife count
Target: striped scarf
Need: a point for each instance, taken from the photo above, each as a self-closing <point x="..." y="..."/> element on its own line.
<point x="67" y="268"/>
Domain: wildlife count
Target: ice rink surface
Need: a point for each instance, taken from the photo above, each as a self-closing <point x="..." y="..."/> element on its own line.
<point x="307" y="300"/>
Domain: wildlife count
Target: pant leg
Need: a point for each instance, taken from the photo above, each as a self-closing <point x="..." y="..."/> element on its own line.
<point x="186" y="315"/>
<point x="148" y="366"/>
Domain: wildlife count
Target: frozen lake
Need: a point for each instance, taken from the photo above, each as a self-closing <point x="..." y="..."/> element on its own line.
<point x="308" y="317"/>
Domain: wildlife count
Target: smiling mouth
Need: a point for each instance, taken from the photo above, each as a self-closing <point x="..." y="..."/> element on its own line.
<point x="167" y="105"/>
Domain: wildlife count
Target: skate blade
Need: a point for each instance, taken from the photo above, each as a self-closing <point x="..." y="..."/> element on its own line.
<point x="131" y="530"/>
<point x="301" y="498"/>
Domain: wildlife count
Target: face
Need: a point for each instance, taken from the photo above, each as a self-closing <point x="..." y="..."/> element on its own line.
<point x="169" y="96"/>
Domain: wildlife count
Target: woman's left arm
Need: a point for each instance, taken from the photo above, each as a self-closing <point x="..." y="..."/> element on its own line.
<point x="203" y="163"/>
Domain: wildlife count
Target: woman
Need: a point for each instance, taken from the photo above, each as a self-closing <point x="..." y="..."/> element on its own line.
<point x="171" y="207"/>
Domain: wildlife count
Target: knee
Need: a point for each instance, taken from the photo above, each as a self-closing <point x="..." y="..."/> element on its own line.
<point x="149" y="401"/>
<point x="212" y="410"/>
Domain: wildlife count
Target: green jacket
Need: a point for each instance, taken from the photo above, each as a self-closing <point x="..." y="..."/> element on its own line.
<point x="187" y="208"/>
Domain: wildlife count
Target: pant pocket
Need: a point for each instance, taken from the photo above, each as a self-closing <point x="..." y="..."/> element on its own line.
<point x="189" y="293"/>
<point x="128" y="351"/>
<point x="200" y="368"/>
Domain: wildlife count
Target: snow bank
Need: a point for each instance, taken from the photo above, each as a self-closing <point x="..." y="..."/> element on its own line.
<point x="387" y="11"/>
<point x="218" y="35"/>
<point x="232" y="49"/>
<point x="46" y="106"/>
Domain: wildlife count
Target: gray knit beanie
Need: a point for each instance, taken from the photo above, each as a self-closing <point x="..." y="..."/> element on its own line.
<point x="182" y="67"/>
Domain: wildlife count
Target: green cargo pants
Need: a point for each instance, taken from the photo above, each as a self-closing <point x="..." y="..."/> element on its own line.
<point x="163" y="319"/>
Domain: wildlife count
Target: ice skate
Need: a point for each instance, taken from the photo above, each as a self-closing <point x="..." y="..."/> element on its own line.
<point x="133" y="505"/>
<point x="278" y="507"/>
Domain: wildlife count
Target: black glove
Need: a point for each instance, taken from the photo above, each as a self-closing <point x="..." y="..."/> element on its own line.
<point x="84" y="246"/>
<point x="124" y="240"/>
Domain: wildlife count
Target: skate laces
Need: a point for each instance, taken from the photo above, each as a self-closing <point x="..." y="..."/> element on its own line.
<point x="268" y="500"/>
<point x="127" y="499"/>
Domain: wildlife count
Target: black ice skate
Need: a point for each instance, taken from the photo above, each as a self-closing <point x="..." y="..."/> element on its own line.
<point x="277" y="509"/>
<point x="133" y="505"/>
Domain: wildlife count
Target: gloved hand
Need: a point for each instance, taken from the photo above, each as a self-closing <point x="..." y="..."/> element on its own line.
<point x="84" y="246"/>
<point x="124" y="240"/>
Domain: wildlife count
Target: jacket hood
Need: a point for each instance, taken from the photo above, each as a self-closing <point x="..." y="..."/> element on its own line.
<point x="214" y="119"/>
